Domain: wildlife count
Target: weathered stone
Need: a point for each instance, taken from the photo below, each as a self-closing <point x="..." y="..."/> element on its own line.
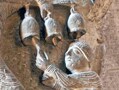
<point x="102" y="33"/>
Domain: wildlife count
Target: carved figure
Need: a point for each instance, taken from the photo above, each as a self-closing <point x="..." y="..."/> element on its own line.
<point x="53" y="36"/>
<point x="52" y="30"/>
<point x="75" y="24"/>
<point x="45" y="7"/>
<point x="8" y="80"/>
<point x="77" y="60"/>
<point x="29" y="28"/>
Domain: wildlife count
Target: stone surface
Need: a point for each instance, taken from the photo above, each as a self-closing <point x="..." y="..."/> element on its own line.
<point x="102" y="35"/>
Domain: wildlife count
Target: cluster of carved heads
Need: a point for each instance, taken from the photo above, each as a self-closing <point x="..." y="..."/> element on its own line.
<point x="30" y="27"/>
<point x="78" y="56"/>
<point x="75" y="22"/>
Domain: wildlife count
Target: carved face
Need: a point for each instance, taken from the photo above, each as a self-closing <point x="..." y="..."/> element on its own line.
<point x="73" y="57"/>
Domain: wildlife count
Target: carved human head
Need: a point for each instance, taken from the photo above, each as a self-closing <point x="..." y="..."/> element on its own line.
<point x="52" y="28"/>
<point x="78" y="56"/>
<point x="29" y="27"/>
<point x="75" y="24"/>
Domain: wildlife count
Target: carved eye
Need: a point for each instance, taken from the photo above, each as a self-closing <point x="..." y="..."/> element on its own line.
<point x="69" y="53"/>
<point x="77" y="52"/>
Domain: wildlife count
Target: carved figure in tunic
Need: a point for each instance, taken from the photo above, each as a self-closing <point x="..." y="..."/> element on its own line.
<point x="77" y="61"/>
<point x="9" y="83"/>
<point x="29" y="27"/>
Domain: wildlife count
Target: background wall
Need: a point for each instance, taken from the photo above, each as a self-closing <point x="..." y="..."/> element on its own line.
<point x="102" y="34"/>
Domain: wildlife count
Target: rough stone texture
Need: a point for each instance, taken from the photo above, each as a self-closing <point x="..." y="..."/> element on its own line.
<point x="110" y="65"/>
<point x="102" y="35"/>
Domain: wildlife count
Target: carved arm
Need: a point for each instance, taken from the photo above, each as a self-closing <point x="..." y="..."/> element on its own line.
<point x="62" y="80"/>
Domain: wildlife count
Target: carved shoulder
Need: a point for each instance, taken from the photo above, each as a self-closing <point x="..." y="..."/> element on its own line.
<point x="87" y="79"/>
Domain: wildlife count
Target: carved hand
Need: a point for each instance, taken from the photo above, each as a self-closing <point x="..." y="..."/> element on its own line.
<point x="41" y="60"/>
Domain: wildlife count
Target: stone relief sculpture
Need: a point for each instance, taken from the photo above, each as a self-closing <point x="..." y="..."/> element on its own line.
<point x="76" y="2"/>
<point x="77" y="61"/>
<point x="52" y="30"/>
<point x="45" y="7"/>
<point x="78" y="57"/>
<point x="7" y="80"/>
<point x="30" y="29"/>
<point x="53" y="35"/>
<point x="75" y="24"/>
